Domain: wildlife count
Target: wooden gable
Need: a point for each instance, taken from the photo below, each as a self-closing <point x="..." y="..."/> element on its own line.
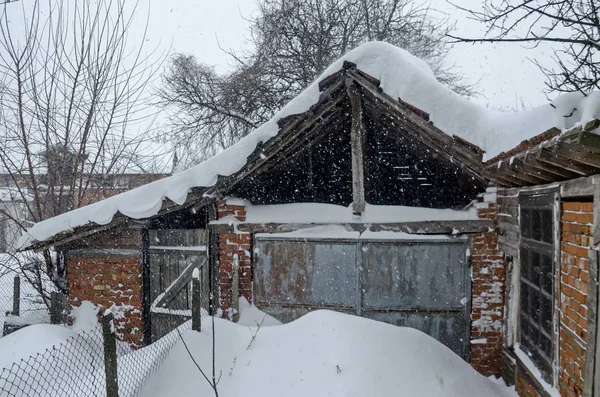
<point x="399" y="160"/>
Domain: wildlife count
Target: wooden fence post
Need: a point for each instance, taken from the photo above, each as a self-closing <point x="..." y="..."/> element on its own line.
<point x="196" y="321"/>
<point x="16" y="296"/>
<point x="235" y="288"/>
<point x="110" y="355"/>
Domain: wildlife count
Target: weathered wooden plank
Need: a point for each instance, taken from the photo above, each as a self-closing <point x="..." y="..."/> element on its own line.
<point x="596" y="225"/>
<point x="425" y="227"/>
<point x="508" y="219"/>
<point x="589" y="139"/>
<point x="579" y="187"/>
<point x="592" y="329"/>
<point x="510" y="210"/>
<point x="517" y="164"/>
<point x="560" y="173"/>
<point x="180" y="282"/>
<point x="577" y="154"/>
<point x="508" y="246"/>
<point x="356" y="140"/>
<point x="547" y="156"/>
<point x="508" y="193"/>
<point x="511" y="235"/>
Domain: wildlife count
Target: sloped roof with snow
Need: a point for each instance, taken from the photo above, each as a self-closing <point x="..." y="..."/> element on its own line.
<point x="401" y="76"/>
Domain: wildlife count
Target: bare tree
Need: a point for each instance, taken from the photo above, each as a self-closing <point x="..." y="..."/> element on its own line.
<point x="293" y="41"/>
<point x="72" y="85"/>
<point x="573" y="25"/>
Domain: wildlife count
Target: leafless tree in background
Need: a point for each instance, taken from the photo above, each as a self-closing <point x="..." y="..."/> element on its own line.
<point x="293" y="42"/>
<point x="71" y="87"/>
<point x="572" y="24"/>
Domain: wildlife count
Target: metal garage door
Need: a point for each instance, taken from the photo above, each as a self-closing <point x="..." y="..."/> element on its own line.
<point x="414" y="284"/>
<point x="420" y="286"/>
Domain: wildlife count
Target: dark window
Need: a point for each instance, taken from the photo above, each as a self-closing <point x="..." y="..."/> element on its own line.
<point x="537" y="280"/>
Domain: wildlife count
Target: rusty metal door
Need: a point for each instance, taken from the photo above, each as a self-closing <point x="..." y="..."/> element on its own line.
<point x="420" y="285"/>
<point x="294" y="277"/>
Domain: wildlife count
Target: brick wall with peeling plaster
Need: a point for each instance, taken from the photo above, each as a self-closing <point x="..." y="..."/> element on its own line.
<point x="232" y="247"/>
<point x="110" y="283"/>
<point x="488" y="291"/>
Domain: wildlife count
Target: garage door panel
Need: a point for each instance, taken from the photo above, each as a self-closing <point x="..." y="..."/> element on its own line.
<point x="447" y="328"/>
<point x="419" y="285"/>
<point x="306" y="273"/>
<point x="414" y="275"/>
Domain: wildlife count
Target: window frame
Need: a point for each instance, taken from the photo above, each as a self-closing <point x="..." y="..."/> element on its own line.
<point x="537" y="243"/>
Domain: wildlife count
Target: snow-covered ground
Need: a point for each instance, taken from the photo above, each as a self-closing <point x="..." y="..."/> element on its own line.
<point x="323" y="353"/>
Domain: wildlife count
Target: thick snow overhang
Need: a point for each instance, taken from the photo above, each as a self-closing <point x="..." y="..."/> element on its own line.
<point x="552" y="156"/>
<point x="402" y="85"/>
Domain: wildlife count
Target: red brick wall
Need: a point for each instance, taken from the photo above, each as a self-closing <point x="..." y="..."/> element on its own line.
<point x="106" y="282"/>
<point x="231" y="244"/>
<point x="576" y="224"/>
<point x="488" y="286"/>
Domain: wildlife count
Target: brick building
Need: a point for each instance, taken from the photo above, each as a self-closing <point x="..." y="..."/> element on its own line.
<point x="361" y="204"/>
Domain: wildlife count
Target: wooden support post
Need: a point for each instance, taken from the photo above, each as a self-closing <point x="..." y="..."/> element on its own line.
<point x="591" y="363"/>
<point x="356" y="139"/>
<point x="213" y="266"/>
<point x="16" y="296"/>
<point x="596" y="219"/>
<point x="235" y="288"/>
<point x="146" y="288"/>
<point x="196" y="293"/>
<point x="110" y="355"/>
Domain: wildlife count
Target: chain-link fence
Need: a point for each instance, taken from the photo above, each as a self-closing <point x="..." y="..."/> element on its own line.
<point x="77" y="367"/>
<point x="21" y="307"/>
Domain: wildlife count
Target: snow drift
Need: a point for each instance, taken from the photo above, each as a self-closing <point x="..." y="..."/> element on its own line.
<point x="402" y="76"/>
<point x="323" y="353"/>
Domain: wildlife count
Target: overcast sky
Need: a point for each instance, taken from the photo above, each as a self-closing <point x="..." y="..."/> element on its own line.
<point x="506" y="77"/>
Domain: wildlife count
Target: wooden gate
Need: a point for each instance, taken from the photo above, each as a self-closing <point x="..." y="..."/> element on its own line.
<point x="419" y="284"/>
<point x="171" y="268"/>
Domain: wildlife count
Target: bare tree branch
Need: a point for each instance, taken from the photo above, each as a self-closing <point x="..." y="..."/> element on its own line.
<point x="573" y="25"/>
<point x="293" y="41"/>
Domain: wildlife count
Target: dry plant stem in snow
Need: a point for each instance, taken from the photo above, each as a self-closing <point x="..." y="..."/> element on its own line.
<point x="213" y="382"/>
<point x="255" y="333"/>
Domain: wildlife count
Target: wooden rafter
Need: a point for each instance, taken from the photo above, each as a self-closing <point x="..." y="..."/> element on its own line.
<point x="425" y="227"/>
<point x="356" y="141"/>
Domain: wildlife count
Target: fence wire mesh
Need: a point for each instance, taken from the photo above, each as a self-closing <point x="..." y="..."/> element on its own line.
<point x="76" y="367"/>
<point x="32" y="308"/>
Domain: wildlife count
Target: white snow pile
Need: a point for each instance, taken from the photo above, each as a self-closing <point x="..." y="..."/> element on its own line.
<point x="323" y="353"/>
<point x="402" y="76"/>
<point x="323" y="213"/>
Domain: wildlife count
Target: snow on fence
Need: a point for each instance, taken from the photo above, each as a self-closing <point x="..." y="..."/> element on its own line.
<point x="77" y="366"/>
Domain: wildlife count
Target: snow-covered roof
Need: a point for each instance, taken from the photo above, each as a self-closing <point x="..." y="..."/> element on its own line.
<point x="402" y="76"/>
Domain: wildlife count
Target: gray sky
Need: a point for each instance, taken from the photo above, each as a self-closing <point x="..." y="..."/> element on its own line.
<point x="505" y="75"/>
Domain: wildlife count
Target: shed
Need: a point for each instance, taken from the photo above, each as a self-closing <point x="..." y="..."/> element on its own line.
<point x="367" y="194"/>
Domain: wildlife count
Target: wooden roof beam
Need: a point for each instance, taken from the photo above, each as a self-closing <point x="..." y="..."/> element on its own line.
<point x="530" y="160"/>
<point x="577" y="154"/>
<point x="517" y="164"/>
<point x="357" y="137"/>
<point x="547" y="156"/>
